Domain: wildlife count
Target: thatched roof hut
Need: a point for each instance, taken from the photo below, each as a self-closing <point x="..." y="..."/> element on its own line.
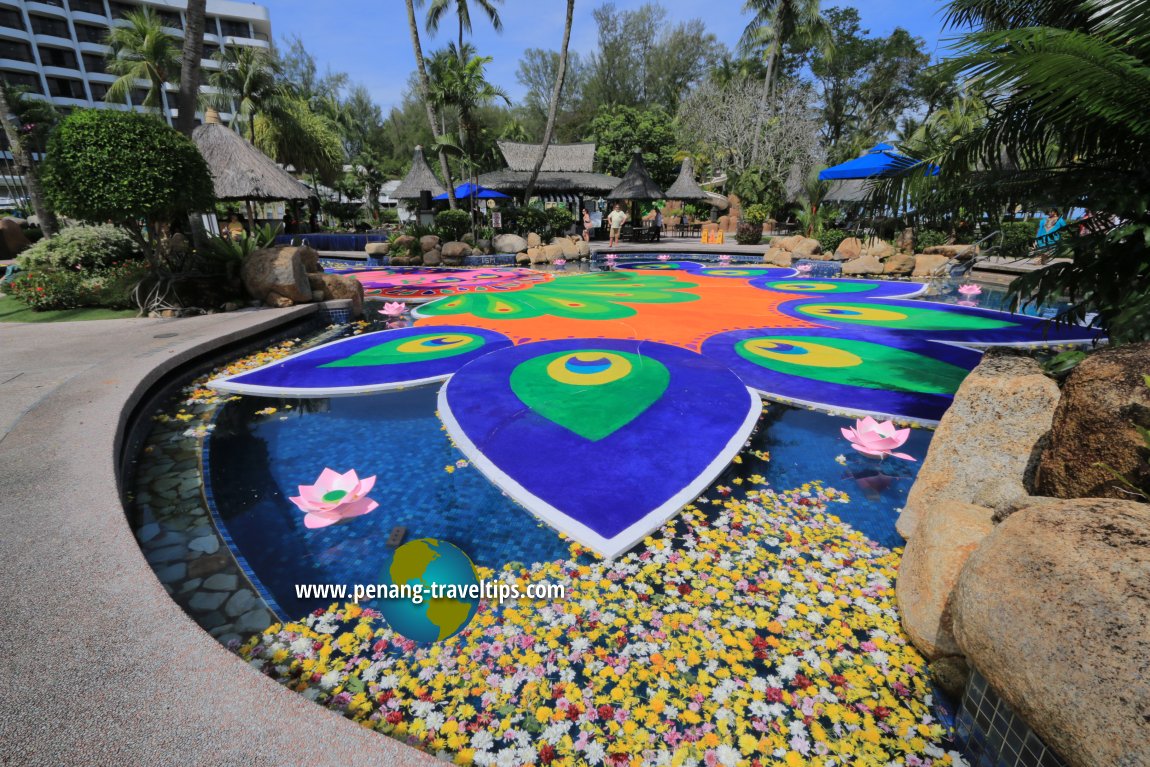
<point x="637" y="184"/>
<point x="578" y="158"/>
<point x="686" y="187"/>
<point x="419" y="179"/>
<point x="568" y="171"/>
<point x="239" y="170"/>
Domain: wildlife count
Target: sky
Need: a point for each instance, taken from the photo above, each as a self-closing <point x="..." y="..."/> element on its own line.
<point x="370" y="39"/>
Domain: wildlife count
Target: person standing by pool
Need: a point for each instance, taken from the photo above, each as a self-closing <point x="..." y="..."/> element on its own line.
<point x="616" y="219"/>
<point x="1049" y="230"/>
<point x="587" y="224"/>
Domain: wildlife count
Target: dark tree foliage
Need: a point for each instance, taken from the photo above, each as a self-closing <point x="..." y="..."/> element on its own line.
<point x="127" y="168"/>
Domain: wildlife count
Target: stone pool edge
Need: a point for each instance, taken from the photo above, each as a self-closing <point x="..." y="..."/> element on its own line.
<point x="102" y="666"/>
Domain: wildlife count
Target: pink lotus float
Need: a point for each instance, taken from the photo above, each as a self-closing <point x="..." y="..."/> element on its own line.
<point x="969" y="291"/>
<point x="804" y="268"/>
<point x="877" y="439"/>
<point x="664" y="257"/>
<point x="724" y="260"/>
<point x="335" y="498"/>
<point x="393" y="309"/>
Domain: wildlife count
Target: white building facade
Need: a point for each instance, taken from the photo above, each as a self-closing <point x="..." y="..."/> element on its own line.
<point x="56" y="48"/>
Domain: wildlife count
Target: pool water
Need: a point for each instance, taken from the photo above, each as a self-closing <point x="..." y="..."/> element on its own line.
<point x="254" y="461"/>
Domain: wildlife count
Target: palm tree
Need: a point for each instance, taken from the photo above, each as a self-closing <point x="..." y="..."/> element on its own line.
<point x="438" y="9"/>
<point x="425" y="87"/>
<point x="553" y="109"/>
<point x="248" y="84"/>
<point x="1065" y="98"/>
<point x="190" y="66"/>
<point x="10" y="120"/>
<point x="776" y="24"/>
<point x="463" y="85"/>
<point x="142" y="50"/>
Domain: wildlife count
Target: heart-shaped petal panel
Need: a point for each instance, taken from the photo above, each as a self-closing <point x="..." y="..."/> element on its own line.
<point x="603" y="439"/>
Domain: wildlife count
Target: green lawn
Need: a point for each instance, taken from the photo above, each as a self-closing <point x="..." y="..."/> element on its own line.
<point x="12" y="310"/>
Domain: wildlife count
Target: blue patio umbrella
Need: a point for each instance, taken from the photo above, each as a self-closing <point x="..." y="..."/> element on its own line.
<point x="880" y="160"/>
<point x="469" y="191"/>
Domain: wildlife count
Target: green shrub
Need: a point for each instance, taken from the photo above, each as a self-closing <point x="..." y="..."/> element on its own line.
<point x="749" y="233"/>
<point x="1017" y="238"/>
<point x="558" y="222"/>
<point x="113" y="287"/>
<point x="82" y="248"/>
<point x="450" y="225"/>
<point x="44" y="289"/>
<point x="830" y="239"/>
<point x="929" y="238"/>
<point x="756" y="214"/>
<point x="107" y="165"/>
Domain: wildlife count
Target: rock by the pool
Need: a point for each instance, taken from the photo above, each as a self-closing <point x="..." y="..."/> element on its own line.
<point x="509" y="243"/>
<point x="1054" y="610"/>
<point x="281" y="271"/>
<point x="1102" y="400"/>
<point x="946" y="536"/>
<point x="1000" y="412"/>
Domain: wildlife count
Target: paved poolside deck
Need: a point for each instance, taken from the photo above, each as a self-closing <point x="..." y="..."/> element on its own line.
<point x="101" y="666"/>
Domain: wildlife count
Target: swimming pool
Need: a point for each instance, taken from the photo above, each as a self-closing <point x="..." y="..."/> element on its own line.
<point x="255" y="458"/>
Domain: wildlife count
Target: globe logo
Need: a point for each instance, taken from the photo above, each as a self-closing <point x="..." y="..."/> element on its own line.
<point x="437" y="588"/>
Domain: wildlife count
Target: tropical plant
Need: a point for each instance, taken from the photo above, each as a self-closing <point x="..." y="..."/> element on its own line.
<point x="12" y="105"/>
<point x="797" y="24"/>
<point x="619" y="131"/>
<point x="428" y="103"/>
<point x="1065" y="85"/>
<point x="82" y="248"/>
<point x="47" y="289"/>
<point x="929" y="238"/>
<point x="451" y="225"/>
<point x="756" y="214"/>
<point x="247" y="84"/>
<point x="558" y="220"/>
<point x="1017" y="238"/>
<point x="142" y="50"/>
<point x="294" y="135"/>
<point x="126" y="168"/>
<point x="226" y="255"/>
<point x="553" y="108"/>
<point x="866" y="82"/>
<point x="439" y="8"/>
<point x="462" y="85"/>
<point x="192" y="54"/>
<point x="830" y="239"/>
<point x="748" y="233"/>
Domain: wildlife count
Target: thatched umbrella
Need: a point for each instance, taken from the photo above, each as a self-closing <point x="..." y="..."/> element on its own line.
<point x="686" y="188"/>
<point x="240" y="172"/>
<point x="419" y="179"/>
<point x="637" y="185"/>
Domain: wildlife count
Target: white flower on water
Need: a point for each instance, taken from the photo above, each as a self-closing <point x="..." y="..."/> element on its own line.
<point x="330" y="679"/>
<point x="594" y="752"/>
<point x="728" y="757"/>
<point x="482" y="740"/>
<point x="555" y="732"/>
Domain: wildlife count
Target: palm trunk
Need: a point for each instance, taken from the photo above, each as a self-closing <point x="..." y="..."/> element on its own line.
<point x="48" y="224"/>
<point x="426" y="88"/>
<point x="190" y="66"/>
<point x="766" y="100"/>
<point x="553" y="109"/>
